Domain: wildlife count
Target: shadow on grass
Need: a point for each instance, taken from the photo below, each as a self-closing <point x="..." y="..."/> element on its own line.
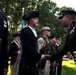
<point x="68" y="71"/>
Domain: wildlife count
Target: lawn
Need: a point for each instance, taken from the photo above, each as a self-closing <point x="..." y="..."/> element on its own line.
<point x="69" y="67"/>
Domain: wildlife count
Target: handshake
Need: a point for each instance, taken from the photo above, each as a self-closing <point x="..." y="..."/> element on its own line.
<point x="46" y="57"/>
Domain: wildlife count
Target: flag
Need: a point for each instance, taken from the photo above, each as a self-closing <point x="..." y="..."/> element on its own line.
<point x="22" y="25"/>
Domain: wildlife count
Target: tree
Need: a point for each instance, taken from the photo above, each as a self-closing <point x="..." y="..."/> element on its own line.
<point x="48" y="15"/>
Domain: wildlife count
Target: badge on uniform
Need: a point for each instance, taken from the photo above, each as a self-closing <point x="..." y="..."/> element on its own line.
<point x="5" y="23"/>
<point x="73" y="29"/>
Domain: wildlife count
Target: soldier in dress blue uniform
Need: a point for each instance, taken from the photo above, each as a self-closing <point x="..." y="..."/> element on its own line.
<point x="30" y="57"/>
<point x="3" y="44"/>
<point x="67" y="18"/>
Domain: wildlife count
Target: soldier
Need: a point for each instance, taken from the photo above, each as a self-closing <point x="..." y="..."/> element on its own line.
<point x="14" y="51"/>
<point x="67" y="19"/>
<point x="14" y="48"/>
<point x="3" y="44"/>
<point x="52" y="40"/>
<point x="59" y="61"/>
<point x="44" y="48"/>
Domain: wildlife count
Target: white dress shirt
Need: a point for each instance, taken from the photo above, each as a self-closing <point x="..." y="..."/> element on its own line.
<point x="33" y="30"/>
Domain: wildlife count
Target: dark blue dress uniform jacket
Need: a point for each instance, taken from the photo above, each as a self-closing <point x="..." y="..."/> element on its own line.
<point x="3" y="43"/>
<point x="13" y="52"/>
<point x="70" y="44"/>
<point x="30" y="56"/>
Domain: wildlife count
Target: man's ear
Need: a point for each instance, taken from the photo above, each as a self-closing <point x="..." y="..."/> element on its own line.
<point x="69" y="16"/>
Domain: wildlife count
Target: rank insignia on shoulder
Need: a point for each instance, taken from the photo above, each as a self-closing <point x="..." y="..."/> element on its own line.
<point x="5" y="23"/>
<point x="73" y="29"/>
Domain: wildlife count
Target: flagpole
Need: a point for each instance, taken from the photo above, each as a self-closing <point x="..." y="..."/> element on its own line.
<point x="22" y="25"/>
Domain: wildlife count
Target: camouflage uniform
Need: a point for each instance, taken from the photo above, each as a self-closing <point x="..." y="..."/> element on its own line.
<point x="44" y="48"/>
<point x="52" y="42"/>
<point x="53" y="64"/>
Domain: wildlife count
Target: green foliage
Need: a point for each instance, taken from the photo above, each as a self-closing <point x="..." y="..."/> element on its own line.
<point x="48" y="14"/>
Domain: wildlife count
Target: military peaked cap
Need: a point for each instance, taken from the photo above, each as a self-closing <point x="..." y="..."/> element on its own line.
<point x="31" y="15"/>
<point x="45" y="28"/>
<point x="66" y="12"/>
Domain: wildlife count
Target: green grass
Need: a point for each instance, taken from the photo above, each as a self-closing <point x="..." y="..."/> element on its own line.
<point x="69" y="68"/>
